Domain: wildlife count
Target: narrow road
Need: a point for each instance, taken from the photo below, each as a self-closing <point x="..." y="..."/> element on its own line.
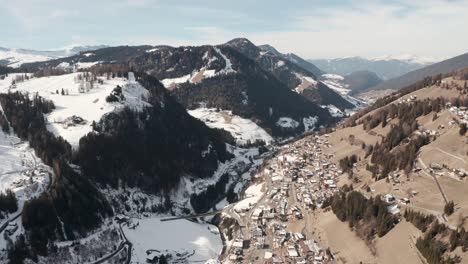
<point x="425" y="169"/>
<point x="125" y="244"/>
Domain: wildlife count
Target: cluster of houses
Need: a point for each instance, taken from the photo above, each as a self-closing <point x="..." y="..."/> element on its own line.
<point x="410" y="99"/>
<point x="300" y="179"/>
<point x="460" y="112"/>
<point x="444" y="170"/>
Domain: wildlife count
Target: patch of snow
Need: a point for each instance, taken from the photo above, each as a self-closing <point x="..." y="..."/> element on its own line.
<point x="171" y="81"/>
<point x="335" y="82"/>
<point x="228" y="68"/>
<point x="152" y="50"/>
<point x="280" y="63"/>
<point x="88" y="54"/>
<point x="209" y="73"/>
<point x="309" y="122"/>
<point x="63" y="65"/>
<point x="241" y="129"/>
<point x="210" y="60"/>
<point x="252" y="195"/>
<point x="85" y="65"/>
<point x="334" y="111"/>
<point x="287" y="122"/>
<point x="245" y="100"/>
<point x="15" y="58"/>
<point x="333" y="76"/>
<point x="306" y="81"/>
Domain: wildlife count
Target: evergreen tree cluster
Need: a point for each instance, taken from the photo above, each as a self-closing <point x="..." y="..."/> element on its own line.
<point x="381" y="102"/>
<point x="116" y="95"/>
<point x="432" y="246"/>
<point x="399" y="148"/>
<point x="347" y="163"/>
<point x="449" y="208"/>
<point x="8" y="201"/>
<point x="420" y="220"/>
<point x="207" y="199"/>
<point x="46" y="72"/>
<point x="369" y="217"/>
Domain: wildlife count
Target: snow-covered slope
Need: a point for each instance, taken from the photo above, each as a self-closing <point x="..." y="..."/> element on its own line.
<point x="24" y="174"/>
<point x="242" y="129"/>
<point x="76" y="99"/>
<point x="16" y="57"/>
<point x="197" y="75"/>
<point x="335" y="82"/>
<point x="20" y="169"/>
<point x="13" y="58"/>
<point x="339" y="84"/>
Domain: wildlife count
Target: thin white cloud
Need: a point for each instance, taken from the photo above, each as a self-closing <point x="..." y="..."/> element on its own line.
<point x="320" y="30"/>
<point x="436" y="28"/>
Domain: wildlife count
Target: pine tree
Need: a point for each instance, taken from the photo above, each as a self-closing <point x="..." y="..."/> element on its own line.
<point x="449" y="208"/>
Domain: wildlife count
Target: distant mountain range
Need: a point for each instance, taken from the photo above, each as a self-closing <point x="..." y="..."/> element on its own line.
<point x="443" y="67"/>
<point x="386" y="67"/>
<point x="254" y="82"/>
<point x="16" y="57"/>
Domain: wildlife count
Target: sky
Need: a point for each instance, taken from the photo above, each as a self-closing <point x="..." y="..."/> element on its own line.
<point x="310" y="28"/>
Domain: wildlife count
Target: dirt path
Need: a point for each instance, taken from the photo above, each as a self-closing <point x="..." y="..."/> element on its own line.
<point x="451" y="155"/>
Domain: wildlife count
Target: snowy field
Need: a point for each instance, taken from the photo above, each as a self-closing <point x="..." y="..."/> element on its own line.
<point x="240" y="128"/>
<point x="191" y="241"/>
<point x="15" y="59"/>
<point x="90" y="105"/>
<point x="252" y="195"/>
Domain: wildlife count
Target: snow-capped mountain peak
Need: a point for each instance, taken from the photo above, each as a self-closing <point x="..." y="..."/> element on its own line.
<point x="409" y="58"/>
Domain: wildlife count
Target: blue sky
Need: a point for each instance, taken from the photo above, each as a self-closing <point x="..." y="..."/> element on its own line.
<point x="312" y="29"/>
